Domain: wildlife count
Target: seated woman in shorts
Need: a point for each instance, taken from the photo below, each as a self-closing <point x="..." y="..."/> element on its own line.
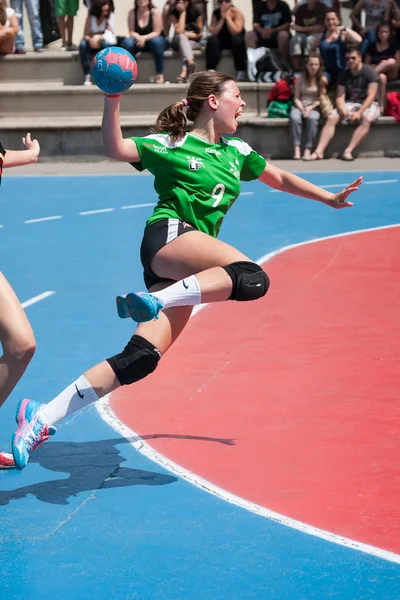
<point x="145" y="34"/>
<point x="9" y="28"/>
<point x="98" y="34"/>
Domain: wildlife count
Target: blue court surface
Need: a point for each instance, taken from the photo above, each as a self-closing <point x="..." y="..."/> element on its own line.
<point x="92" y="517"/>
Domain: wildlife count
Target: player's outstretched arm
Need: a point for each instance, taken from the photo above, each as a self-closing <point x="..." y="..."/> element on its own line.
<point x="292" y="184"/>
<point x="19" y="158"/>
<point x="115" y="145"/>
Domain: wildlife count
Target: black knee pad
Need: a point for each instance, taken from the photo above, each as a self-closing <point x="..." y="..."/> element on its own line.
<point x="138" y="359"/>
<point x="249" y="281"/>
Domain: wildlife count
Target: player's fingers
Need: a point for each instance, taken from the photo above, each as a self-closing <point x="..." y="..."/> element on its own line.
<point x="350" y="190"/>
<point x="344" y="205"/>
<point x="357" y="182"/>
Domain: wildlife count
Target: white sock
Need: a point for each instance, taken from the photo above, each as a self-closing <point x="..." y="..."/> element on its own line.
<point x="182" y="293"/>
<point x="76" y="396"/>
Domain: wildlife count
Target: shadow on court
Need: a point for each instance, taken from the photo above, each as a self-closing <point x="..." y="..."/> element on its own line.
<point x="91" y="466"/>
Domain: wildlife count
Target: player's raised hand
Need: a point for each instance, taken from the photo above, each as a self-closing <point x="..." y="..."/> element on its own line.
<point x="30" y="144"/>
<point x="339" y="200"/>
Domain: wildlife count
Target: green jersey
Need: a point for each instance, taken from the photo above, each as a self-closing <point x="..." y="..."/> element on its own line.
<point x="196" y="182"/>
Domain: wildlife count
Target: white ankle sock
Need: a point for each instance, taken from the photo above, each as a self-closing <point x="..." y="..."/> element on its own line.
<point x="76" y="396"/>
<point x="182" y="293"/>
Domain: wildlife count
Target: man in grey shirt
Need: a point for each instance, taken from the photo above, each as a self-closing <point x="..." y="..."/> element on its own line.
<point x="355" y="103"/>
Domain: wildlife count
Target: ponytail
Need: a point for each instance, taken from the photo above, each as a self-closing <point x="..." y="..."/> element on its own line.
<point x="172" y="120"/>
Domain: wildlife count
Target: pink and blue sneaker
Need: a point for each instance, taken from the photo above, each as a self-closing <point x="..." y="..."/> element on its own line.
<point x="31" y="432"/>
<point x="139" y="306"/>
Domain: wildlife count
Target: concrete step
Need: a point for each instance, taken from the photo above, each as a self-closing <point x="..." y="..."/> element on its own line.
<point x="32" y="99"/>
<point x="65" y="67"/>
<point x="79" y="137"/>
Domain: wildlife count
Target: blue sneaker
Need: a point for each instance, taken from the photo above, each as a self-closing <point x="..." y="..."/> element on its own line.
<point x="139" y="306"/>
<point x="31" y="432"/>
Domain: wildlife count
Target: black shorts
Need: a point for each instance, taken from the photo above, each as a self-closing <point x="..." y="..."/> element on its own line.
<point x="156" y="235"/>
<point x="271" y="42"/>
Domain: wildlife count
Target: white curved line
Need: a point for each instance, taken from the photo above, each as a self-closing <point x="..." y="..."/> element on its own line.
<point x="109" y="417"/>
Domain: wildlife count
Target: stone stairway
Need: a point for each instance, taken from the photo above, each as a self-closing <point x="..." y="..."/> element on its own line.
<point x="43" y="93"/>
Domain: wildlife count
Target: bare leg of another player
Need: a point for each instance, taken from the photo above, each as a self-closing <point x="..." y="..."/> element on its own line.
<point x="18" y="343"/>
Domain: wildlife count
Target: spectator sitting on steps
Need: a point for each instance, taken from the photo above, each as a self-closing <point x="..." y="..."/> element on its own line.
<point x="227" y="32"/>
<point x="331" y="6"/>
<point x="355" y="103"/>
<point x="145" y="29"/>
<point x="384" y="56"/>
<point x="309" y="19"/>
<point x="188" y="24"/>
<point x="272" y="20"/>
<point x="98" y="34"/>
<point x="376" y="11"/>
<point x="8" y="28"/>
<point x="307" y="90"/>
<point x="332" y="46"/>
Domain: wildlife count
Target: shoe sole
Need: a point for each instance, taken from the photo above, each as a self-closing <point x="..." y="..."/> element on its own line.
<point x="122" y="309"/>
<point x="20" y="459"/>
<point x="133" y="306"/>
<point x="6" y="466"/>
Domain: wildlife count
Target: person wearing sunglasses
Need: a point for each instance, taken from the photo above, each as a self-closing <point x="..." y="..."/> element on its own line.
<point x="356" y="102"/>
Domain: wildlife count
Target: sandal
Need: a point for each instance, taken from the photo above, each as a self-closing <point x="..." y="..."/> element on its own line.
<point x="347" y="156"/>
<point x="191" y="67"/>
<point x="316" y="156"/>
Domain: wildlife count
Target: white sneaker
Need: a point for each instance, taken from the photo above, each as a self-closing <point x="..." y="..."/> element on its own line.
<point x="87" y="80"/>
<point x="241" y="76"/>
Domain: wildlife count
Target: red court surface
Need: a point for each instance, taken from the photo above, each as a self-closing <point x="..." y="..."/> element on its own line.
<point x="306" y="381"/>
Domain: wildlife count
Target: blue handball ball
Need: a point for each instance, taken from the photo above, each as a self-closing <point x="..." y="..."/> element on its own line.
<point x="114" y="70"/>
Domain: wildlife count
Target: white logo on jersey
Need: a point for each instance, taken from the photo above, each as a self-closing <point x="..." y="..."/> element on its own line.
<point x="235" y="168"/>
<point x="213" y="151"/>
<point x="194" y="163"/>
<point x="160" y="149"/>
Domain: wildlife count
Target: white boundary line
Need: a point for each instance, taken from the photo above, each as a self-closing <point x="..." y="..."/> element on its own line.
<point x="144" y="448"/>
<point x="96" y="212"/>
<point x="36" y="299"/>
<point x="128" y="206"/>
<point x="41" y="219"/>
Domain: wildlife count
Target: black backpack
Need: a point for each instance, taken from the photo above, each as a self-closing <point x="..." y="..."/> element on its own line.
<point x="271" y="66"/>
